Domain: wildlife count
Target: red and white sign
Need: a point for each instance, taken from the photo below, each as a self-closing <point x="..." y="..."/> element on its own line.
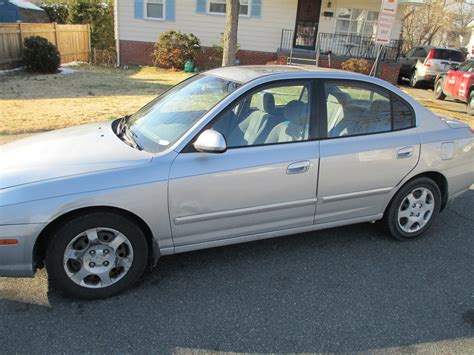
<point x="388" y="13"/>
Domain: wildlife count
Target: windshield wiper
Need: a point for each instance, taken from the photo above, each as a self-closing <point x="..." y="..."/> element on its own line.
<point x="126" y="134"/>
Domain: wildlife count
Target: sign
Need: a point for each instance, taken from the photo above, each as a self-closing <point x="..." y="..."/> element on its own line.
<point x="388" y="13"/>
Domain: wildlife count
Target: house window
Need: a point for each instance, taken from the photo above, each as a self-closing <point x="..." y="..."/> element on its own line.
<point x="219" y="7"/>
<point x="155" y="9"/>
<point x="357" y="22"/>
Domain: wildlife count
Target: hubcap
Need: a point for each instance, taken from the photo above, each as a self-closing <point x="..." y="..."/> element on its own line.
<point x="416" y="210"/>
<point x="98" y="257"/>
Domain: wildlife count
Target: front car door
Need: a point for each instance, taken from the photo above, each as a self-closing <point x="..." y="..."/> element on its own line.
<point x="369" y="145"/>
<point x="265" y="181"/>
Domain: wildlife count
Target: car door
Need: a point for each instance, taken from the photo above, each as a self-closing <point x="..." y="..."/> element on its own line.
<point x="450" y="82"/>
<point x="371" y="148"/>
<point x="462" y="81"/>
<point x="265" y="181"/>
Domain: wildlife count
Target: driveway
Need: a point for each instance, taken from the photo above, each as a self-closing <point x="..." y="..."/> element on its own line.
<point x="343" y="289"/>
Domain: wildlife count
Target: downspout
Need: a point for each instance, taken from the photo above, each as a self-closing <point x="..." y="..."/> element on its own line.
<point x="116" y="32"/>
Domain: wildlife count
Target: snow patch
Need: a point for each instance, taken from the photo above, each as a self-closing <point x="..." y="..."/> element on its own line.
<point x="66" y="71"/>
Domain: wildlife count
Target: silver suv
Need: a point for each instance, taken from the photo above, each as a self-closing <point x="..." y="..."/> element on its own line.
<point x="423" y="63"/>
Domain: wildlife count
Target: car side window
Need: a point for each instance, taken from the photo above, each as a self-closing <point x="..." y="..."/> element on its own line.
<point x="355" y="108"/>
<point x="420" y="53"/>
<point x="410" y="52"/>
<point x="277" y="113"/>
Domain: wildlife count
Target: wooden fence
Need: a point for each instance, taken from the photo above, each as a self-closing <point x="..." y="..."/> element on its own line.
<point x="72" y="41"/>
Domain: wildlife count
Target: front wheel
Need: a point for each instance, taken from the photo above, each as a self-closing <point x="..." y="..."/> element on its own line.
<point x="96" y="255"/>
<point x="470" y="104"/>
<point x="413" y="209"/>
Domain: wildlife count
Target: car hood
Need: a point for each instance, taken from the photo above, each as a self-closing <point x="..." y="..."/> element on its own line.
<point x="66" y="152"/>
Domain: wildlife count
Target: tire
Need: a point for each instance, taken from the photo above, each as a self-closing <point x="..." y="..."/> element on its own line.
<point x="438" y="89"/>
<point x="403" y="204"/>
<point x="414" y="83"/>
<point x="470" y="104"/>
<point x="96" y="255"/>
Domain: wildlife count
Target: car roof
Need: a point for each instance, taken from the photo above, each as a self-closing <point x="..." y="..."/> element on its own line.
<point x="245" y="73"/>
<point x="437" y="47"/>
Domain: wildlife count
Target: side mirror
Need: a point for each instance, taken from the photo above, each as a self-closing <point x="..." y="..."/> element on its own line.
<point x="210" y="141"/>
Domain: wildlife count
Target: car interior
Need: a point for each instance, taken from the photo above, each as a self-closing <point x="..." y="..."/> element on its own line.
<point x="259" y="119"/>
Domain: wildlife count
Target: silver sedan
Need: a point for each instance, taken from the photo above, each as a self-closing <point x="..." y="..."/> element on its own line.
<point x="228" y="156"/>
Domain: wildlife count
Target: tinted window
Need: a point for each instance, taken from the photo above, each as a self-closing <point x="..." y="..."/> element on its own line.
<point x="274" y="114"/>
<point x="464" y="66"/>
<point x="358" y="108"/>
<point x="448" y="54"/>
<point x="420" y="53"/>
<point x="402" y="115"/>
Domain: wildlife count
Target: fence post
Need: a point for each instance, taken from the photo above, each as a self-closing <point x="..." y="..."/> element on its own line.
<point x="56" y="35"/>
<point x="318" y="48"/>
<point x="20" y="29"/>
<point x="89" y="39"/>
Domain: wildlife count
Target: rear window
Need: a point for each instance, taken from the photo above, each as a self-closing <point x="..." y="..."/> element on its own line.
<point x="447" y="54"/>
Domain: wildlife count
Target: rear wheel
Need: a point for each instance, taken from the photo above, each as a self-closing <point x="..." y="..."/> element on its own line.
<point x="414" y="83"/>
<point x="96" y="256"/>
<point x="470" y="104"/>
<point x="413" y="209"/>
<point x="439" y="93"/>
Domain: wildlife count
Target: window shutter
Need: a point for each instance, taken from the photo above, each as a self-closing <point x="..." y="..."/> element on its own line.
<point x="256" y="8"/>
<point x="138" y="9"/>
<point x="170" y="10"/>
<point x="201" y="6"/>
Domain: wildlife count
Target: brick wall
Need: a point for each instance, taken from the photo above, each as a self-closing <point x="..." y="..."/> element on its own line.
<point x="388" y="71"/>
<point x="139" y="53"/>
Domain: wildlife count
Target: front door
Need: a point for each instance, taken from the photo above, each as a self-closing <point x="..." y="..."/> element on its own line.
<point x="265" y="181"/>
<point x="371" y="145"/>
<point x="307" y="21"/>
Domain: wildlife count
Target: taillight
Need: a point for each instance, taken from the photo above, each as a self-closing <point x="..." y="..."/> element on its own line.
<point x="429" y="59"/>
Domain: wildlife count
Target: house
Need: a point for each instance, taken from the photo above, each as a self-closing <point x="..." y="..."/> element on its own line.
<point x="267" y="28"/>
<point x="21" y="11"/>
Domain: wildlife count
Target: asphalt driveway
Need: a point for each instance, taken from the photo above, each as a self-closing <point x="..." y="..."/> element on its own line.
<point x="344" y="289"/>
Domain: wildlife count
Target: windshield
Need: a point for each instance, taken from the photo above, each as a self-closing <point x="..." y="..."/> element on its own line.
<point x="164" y="120"/>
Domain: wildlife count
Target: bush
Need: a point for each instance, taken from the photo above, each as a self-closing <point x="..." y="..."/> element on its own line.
<point x="40" y="55"/>
<point x="356" y="65"/>
<point x="174" y="49"/>
<point x="56" y="12"/>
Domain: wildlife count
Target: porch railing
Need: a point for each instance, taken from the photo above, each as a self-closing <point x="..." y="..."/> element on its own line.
<point x="345" y="45"/>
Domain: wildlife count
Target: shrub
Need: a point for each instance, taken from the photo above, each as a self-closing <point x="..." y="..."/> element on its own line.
<point x="356" y="65"/>
<point x="56" y="12"/>
<point x="40" y="55"/>
<point x="174" y="49"/>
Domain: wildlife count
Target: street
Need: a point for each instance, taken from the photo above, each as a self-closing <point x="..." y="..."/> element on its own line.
<point x="343" y="289"/>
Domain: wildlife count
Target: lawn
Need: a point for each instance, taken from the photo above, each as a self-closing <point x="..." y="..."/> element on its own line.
<point x="36" y="103"/>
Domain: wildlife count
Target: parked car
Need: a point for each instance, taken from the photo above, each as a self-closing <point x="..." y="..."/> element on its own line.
<point x="228" y="156"/>
<point x="422" y="64"/>
<point x="457" y="84"/>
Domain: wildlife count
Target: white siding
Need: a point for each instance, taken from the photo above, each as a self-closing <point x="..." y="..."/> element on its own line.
<point x="258" y="34"/>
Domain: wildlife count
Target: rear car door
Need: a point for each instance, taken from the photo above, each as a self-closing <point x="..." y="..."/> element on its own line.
<point x="266" y="180"/>
<point x="369" y="144"/>
<point x="463" y="78"/>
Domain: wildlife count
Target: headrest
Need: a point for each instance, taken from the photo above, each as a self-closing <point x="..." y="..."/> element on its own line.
<point x="295" y="112"/>
<point x="266" y="102"/>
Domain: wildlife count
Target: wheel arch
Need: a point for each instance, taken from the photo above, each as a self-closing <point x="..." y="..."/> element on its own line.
<point x="44" y="238"/>
<point x="437" y="177"/>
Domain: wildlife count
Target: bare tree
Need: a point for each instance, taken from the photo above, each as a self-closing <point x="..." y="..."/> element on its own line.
<point x="230" y="33"/>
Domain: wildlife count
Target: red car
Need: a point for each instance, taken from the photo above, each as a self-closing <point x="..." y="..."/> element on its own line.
<point x="457" y="84"/>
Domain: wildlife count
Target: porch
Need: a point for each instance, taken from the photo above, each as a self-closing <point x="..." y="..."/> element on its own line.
<point x="337" y="46"/>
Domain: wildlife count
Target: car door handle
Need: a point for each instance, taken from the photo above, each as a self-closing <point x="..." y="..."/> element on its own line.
<point x="405" y="152"/>
<point x="298" y="167"/>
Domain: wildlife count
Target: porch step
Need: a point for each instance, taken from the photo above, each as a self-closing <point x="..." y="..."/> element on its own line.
<point x="302" y="61"/>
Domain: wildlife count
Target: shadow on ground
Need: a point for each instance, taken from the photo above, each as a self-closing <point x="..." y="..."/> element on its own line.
<point x="344" y="289"/>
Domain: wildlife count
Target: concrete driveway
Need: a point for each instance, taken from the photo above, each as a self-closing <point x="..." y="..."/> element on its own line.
<point x="344" y="289"/>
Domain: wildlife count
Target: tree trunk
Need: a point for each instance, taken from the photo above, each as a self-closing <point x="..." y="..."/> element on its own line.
<point x="230" y="33"/>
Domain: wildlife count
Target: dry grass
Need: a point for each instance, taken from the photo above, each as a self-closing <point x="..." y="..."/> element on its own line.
<point x="38" y="103"/>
